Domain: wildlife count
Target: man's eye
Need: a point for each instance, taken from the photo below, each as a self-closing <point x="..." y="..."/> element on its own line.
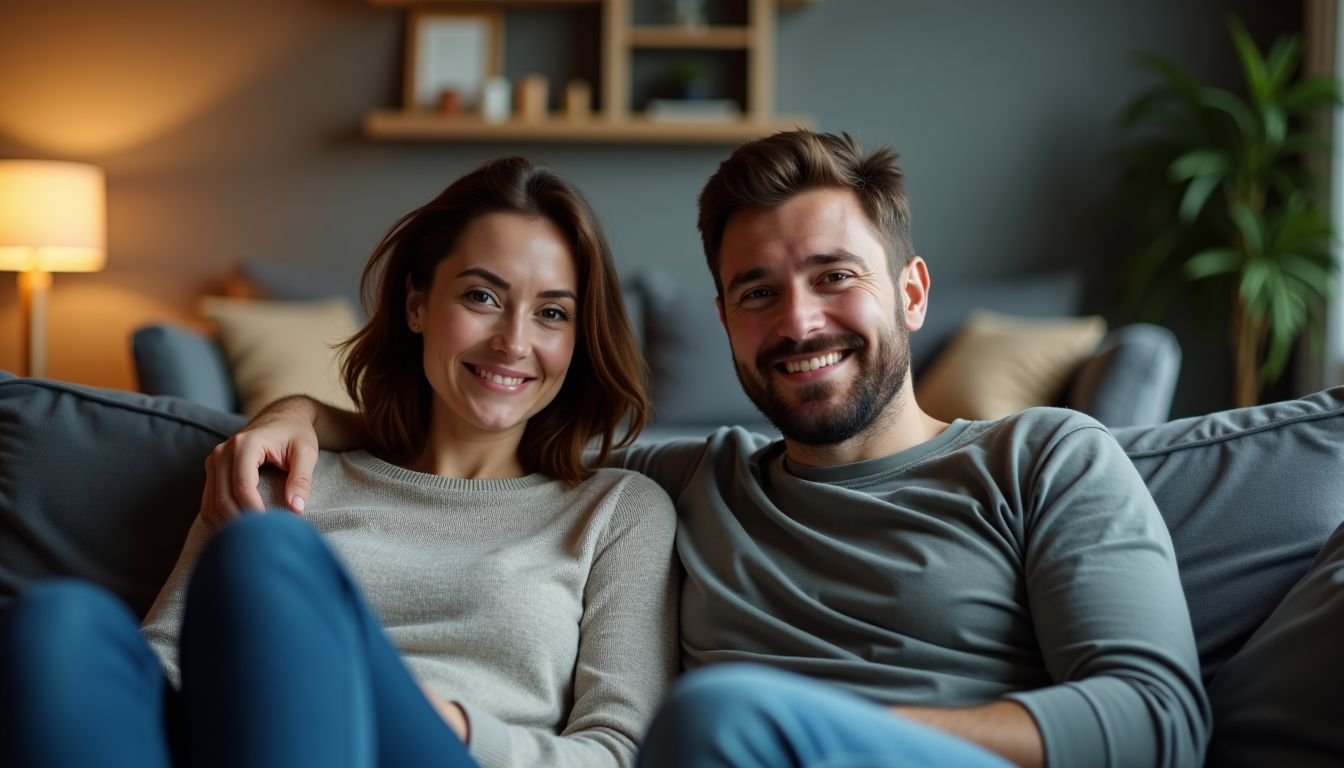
<point x="755" y="293"/>
<point x="836" y="277"/>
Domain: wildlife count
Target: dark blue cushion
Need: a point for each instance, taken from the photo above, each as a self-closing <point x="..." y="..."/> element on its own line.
<point x="182" y="363"/>
<point x="99" y="484"/>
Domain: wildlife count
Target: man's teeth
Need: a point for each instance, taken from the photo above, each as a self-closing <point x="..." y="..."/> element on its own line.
<point x="508" y="381"/>
<point x="799" y="366"/>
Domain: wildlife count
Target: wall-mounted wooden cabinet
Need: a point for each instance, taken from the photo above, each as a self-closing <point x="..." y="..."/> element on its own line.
<point x="631" y="44"/>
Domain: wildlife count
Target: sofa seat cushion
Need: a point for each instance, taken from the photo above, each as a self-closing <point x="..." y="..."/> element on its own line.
<point x="99" y="484"/>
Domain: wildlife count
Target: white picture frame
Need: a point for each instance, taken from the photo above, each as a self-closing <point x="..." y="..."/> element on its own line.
<point x="455" y="50"/>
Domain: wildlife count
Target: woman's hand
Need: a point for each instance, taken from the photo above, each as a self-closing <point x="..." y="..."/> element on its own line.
<point x="451" y="712"/>
<point x="282" y="435"/>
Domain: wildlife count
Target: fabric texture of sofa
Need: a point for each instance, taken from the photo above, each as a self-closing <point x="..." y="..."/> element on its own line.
<point x="103" y="484"/>
<point x="1127" y="380"/>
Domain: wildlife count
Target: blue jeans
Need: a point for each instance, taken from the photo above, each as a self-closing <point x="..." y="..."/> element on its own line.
<point x="283" y="664"/>
<point x="745" y="716"/>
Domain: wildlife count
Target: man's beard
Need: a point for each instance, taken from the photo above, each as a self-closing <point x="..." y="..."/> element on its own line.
<point x="871" y="391"/>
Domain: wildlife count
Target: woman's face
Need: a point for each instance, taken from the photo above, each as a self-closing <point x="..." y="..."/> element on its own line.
<point x="499" y="324"/>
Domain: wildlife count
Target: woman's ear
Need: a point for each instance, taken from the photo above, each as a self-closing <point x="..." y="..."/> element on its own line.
<point x="415" y="307"/>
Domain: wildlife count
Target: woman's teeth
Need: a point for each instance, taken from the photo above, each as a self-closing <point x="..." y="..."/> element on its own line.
<point x="508" y="381"/>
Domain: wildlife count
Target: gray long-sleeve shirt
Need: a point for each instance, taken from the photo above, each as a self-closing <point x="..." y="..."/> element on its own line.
<point x="1022" y="559"/>
<point x="547" y="611"/>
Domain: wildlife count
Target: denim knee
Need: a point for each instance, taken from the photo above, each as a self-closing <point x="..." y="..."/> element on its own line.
<point x="56" y="633"/>
<point x="255" y="546"/>
<point x="712" y="713"/>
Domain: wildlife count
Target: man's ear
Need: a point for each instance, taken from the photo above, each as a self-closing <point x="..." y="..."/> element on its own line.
<point x="913" y="292"/>
<point x="415" y="307"/>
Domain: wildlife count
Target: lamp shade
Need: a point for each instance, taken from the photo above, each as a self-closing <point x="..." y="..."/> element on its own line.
<point x="52" y="216"/>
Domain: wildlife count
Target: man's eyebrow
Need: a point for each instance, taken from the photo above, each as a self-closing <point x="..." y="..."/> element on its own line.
<point x="503" y="285"/>
<point x="815" y="260"/>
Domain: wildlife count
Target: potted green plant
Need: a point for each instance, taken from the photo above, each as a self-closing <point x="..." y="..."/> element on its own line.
<point x="1228" y="211"/>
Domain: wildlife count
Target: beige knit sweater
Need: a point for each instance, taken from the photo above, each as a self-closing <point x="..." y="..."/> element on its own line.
<point x="548" y="612"/>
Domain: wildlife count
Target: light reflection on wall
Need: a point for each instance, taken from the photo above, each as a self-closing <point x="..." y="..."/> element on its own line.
<point x="85" y="80"/>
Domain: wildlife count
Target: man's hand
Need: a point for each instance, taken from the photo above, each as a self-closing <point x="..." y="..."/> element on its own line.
<point x="282" y="435"/>
<point x="1004" y="727"/>
<point x="451" y="712"/>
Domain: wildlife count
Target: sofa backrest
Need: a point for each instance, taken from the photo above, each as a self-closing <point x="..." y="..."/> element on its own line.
<point x="1250" y="496"/>
<point x="99" y="484"/>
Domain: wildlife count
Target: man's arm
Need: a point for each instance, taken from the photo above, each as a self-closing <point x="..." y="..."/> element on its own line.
<point x="286" y="434"/>
<point x="1003" y="727"/>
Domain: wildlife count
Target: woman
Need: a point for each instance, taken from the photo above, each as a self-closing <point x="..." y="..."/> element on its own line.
<point x="520" y="605"/>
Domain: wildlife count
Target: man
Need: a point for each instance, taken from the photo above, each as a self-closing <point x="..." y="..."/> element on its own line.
<point x="901" y="591"/>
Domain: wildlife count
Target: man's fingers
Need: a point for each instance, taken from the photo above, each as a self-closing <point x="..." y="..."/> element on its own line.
<point x="242" y="474"/>
<point x="299" y="484"/>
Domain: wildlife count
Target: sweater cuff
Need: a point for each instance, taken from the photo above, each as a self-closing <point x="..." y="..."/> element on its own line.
<point x="1070" y="728"/>
<point x="489" y="736"/>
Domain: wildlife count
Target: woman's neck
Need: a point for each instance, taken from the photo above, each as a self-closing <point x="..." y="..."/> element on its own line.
<point x="477" y="456"/>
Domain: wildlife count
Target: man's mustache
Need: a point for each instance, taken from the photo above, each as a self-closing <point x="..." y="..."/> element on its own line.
<point x="787" y="348"/>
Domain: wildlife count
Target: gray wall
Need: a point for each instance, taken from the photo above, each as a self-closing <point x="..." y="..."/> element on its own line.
<point x="231" y="131"/>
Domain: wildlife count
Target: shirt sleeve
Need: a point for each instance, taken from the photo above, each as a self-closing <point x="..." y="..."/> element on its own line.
<point x="1109" y="613"/>
<point x="627" y="648"/>
<point x="669" y="463"/>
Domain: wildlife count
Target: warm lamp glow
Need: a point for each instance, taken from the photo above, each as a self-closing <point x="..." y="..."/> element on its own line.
<point x="52" y="219"/>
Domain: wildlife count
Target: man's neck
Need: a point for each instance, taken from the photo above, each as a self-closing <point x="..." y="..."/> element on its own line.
<point x="901" y="425"/>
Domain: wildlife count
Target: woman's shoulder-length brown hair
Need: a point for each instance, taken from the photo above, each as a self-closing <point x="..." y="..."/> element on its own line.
<point x="605" y="388"/>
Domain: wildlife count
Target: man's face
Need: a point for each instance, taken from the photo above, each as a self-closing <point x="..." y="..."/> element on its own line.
<point x="819" y="331"/>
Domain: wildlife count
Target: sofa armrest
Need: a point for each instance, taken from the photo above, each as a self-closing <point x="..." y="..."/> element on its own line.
<point x="1130" y="379"/>
<point x="179" y="362"/>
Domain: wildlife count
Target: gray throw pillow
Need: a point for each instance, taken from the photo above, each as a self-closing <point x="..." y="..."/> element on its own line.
<point x="98" y="484"/>
<point x="1250" y="496"/>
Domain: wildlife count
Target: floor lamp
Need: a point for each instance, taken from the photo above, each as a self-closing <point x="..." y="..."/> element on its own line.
<point x="52" y="219"/>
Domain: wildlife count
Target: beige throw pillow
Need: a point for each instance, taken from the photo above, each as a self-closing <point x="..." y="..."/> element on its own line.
<point x="1000" y="364"/>
<point x="278" y="348"/>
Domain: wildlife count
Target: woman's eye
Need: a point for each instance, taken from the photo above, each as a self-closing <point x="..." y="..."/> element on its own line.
<point x="481" y="297"/>
<point x="554" y="314"/>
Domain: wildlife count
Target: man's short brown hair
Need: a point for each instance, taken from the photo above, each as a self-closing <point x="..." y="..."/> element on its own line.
<point x="769" y="171"/>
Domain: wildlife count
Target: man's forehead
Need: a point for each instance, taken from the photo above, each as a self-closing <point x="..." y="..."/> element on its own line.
<point x="800" y="233"/>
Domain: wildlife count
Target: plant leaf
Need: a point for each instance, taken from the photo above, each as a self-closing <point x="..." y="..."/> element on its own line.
<point x="1252" y="65"/>
<point x="1199" y="162"/>
<point x="1282" y="62"/>
<point x="1196" y="195"/>
<point x="1231" y="105"/>
<point x="1311" y="92"/>
<point x="1212" y="261"/>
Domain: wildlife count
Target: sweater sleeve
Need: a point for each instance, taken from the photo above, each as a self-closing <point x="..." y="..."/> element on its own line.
<point x="164" y="620"/>
<point x="163" y="623"/>
<point x="627" y="648"/>
<point x="1110" y="615"/>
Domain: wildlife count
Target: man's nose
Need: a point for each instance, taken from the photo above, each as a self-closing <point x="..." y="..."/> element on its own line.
<point x="801" y="315"/>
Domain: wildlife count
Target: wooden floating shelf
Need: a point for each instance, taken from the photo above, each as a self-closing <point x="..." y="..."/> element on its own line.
<point x="692" y="37"/>
<point x="395" y="125"/>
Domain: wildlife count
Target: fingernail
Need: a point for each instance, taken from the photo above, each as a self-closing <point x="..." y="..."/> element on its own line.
<point x="297" y="502"/>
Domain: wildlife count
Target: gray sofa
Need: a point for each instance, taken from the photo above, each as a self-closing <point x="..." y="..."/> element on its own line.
<point x="103" y="484"/>
<point x="1128" y="380"/>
